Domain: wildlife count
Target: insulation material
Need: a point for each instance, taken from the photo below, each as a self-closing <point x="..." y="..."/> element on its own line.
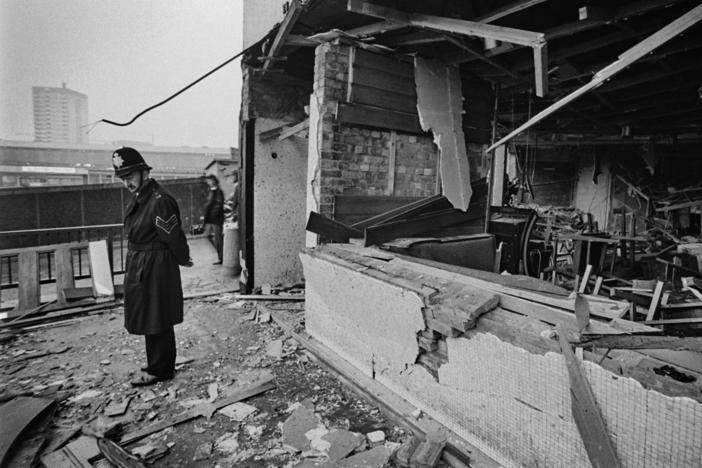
<point x="313" y="165"/>
<point x="376" y="334"/>
<point x="512" y="404"/>
<point x="440" y="106"/>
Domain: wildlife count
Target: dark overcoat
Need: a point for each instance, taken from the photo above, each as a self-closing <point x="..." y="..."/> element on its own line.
<point x="153" y="295"/>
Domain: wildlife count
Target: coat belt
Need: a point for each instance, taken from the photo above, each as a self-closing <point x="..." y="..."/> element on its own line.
<point x="155" y="245"/>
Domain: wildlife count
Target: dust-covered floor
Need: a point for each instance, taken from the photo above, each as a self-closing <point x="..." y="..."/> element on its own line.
<point x="221" y="347"/>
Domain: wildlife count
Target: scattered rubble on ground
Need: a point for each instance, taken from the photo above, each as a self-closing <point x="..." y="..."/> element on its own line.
<point x="305" y="419"/>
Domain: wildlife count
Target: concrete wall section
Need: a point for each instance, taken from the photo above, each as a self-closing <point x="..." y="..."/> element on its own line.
<point x="278" y="206"/>
<point x="377" y="334"/>
<point x="513" y="404"/>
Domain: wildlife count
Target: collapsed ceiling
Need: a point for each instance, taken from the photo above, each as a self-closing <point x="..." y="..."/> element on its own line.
<point x="527" y="48"/>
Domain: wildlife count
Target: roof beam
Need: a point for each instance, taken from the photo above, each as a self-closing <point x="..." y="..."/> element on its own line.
<point x="620" y="14"/>
<point x="630" y="56"/>
<point x="451" y="25"/>
<point x="283" y="31"/>
<point x="507" y="10"/>
<point x="469" y="28"/>
<point x="375" y="28"/>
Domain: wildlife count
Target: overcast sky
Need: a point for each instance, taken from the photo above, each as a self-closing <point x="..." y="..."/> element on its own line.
<point x="125" y="55"/>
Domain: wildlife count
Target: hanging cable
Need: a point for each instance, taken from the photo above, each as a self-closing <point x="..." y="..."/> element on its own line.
<point x="227" y="62"/>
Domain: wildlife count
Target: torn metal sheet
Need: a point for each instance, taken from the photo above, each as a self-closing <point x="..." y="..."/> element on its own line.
<point x="16" y="415"/>
<point x="440" y="106"/>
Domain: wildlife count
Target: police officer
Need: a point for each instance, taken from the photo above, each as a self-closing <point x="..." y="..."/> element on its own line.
<point x="153" y="295"/>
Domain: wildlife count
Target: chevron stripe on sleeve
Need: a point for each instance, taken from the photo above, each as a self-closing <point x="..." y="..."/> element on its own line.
<point x="166" y="225"/>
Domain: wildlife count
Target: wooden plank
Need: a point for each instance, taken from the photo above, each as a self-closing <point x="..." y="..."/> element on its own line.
<point x="293" y="130"/>
<point x="355" y="210"/>
<point x="678" y="321"/>
<point x="369" y="116"/>
<point x="380" y="79"/>
<point x="654" y="302"/>
<point x="440" y="327"/>
<point x="284" y="29"/>
<point x="587" y="416"/>
<point x="507" y="10"/>
<point x="416" y="206"/>
<point x="498" y="176"/>
<point x="598" y="285"/>
<point x="623" y="62"/>
<point x="392" y="157"/>
<point x="376" y="96"/>
<point x="28" y="292"/>
<point x="63" y="257"/>
<point x="387" y="64"/>
<point x="407" y="228"/>
<point x="375" y="28"/>
<point x="452" y="25"/>
<point x="641" y="341"/>
<point x="541" y="70"/>
<point x="331" y="229"/>
<point x="586" y="278"/>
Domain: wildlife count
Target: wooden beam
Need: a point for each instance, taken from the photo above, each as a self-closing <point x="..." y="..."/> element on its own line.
<point x="283" y="31"/>
<point x="408" y="228"/>
<point x="295" y="129"/>
<point x="678" y="321"/>
<point x="507" y="10"/>
<point x="451" y="25"/>
<point x="540" y="70"/>
<point x="630" y="56"/>
<point x="654" y="302"/>
<point x="370" y="116"/>
<point x="588" y="418"/>
<point x="641" y="341"/>
<point x="375" y="28"/>
<point x="29" y="289"/>
<point x="298" y="40"/>
<point x="331" y="229"/>
<point x="392" y="156"/>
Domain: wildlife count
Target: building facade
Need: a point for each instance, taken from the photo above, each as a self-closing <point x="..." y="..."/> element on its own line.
<point x="60" y="115"/>
<point x="30" y="164"/>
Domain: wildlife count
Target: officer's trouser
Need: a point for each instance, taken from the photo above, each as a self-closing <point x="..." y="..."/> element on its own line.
<point x="161" y="353"/>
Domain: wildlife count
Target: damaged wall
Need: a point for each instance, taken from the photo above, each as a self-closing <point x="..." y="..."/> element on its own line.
<point x="354" y="159"/>
<point x="367" y="138"/>
<point x="502" y="388"/>
<point x="280" y="171"/>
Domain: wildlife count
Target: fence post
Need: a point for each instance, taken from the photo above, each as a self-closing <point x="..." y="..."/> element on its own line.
<point x="64" y="272"/>
<point x="28" y="280"/>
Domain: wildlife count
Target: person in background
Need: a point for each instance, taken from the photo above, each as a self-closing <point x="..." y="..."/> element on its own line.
<point x="231" y="204"/>
<point x="214" y="215"/>
<point x="153" y="294"/>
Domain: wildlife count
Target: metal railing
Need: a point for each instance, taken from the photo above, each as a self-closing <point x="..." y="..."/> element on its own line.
<point x="44" y="242"/>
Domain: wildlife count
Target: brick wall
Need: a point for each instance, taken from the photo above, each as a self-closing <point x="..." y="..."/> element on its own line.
<point x="356" y="160"/>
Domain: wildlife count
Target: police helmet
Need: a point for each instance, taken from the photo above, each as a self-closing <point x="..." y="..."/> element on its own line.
<point x="126" y="160"/>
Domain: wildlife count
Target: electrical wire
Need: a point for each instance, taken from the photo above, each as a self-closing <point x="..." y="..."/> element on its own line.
<point x="124" y="124"/>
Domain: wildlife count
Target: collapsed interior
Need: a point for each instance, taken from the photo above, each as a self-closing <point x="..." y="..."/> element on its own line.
<point x="490" y="171"/>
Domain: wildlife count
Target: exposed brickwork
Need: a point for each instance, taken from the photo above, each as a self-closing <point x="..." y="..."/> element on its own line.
<point x="355" y="160"/>
<point x="273" y="96"/>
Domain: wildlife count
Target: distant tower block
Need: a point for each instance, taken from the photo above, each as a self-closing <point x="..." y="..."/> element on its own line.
<point x="60" y="115"/>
